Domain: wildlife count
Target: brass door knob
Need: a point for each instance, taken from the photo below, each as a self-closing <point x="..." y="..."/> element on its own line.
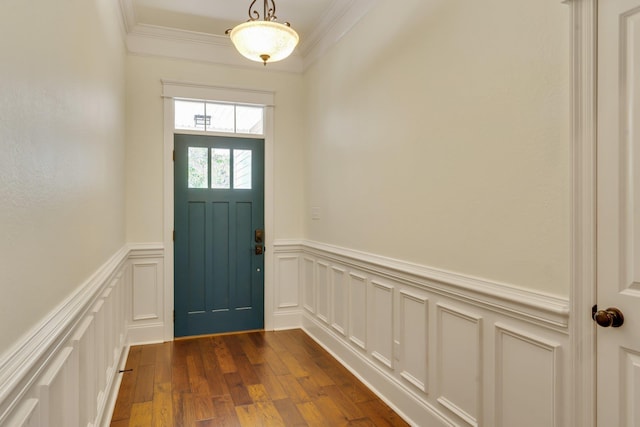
<point x="611" y="317"/>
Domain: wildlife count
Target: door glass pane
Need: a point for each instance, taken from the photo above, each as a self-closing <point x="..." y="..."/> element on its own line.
<point x="222" y="117"/>
<point x="198" y="167"/>
<point x="249" y="119"/>
<point x="190" y="115"/>
<point x="242" y="169"/>
<point x="220" y="168"/>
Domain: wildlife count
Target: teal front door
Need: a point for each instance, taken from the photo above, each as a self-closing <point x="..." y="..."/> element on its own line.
<point x="219" y="222"/>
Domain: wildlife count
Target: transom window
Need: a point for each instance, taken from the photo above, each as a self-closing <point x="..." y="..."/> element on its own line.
<point x="219" y="117"/>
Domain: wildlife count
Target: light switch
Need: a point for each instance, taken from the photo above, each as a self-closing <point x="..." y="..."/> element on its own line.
<point x="315" y="213"/>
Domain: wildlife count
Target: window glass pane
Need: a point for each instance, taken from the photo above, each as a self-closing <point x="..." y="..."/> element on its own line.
<point x="221" y="117"/>
<point x="242" y="169"/>
<point x="198" y="167"/>
<point x="220" y="168"/>
<point x="249" y="119"/>
<point x="190" y="115"/>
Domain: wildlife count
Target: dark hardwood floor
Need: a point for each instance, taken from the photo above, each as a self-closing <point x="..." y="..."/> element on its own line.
<point x="250" y="379"/>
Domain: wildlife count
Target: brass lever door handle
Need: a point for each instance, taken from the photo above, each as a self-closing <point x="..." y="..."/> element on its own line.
<point x="611" y="317"/>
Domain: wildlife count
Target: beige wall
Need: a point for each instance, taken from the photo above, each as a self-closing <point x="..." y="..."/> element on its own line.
<point x="438" y="133"/>
<point x="145" y="139"/>
<point x="61" y="168"/>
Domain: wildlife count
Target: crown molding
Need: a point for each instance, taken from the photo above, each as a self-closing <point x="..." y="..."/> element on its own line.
<point x="144" y="39"/>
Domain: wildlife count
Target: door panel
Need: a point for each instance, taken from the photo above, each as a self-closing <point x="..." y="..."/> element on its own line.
<point x="618" y="234"/>
<point x="219" y="203"/>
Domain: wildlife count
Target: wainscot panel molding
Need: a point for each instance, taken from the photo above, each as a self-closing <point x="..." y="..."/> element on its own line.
<point x="65" y="371"/>
<point x="441" y="348"/>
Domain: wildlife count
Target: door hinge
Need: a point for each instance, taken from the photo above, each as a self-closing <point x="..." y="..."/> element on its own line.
<point x="174" y="155"/>
<point x="174" y="235"/>
<point x="174" y="316"/>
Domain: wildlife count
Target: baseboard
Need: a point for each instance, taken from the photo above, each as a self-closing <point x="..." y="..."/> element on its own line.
<point x="287" y="320"/>
<point x="146" y="334"/>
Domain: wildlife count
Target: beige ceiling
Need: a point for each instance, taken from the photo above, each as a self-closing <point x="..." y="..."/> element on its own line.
<point x="215" y="16"/>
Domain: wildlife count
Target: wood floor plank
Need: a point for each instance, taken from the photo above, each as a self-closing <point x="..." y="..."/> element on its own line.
<point x="274" y="340"/>
<point x="148" y="355"/>
<point x="204" y="408"/>
<point x="258" y="393"/>
<point x="180" y="379"/>
<point x="212" y="371"/>
<point x="250" y="349"/>
<point x="269" y="415"/>
<point x="318" y="375"/>
<point x="293" y="365"/>
<point x="380" y="414"/>
<point x="144" y="384"/>
<point x="289" y="412"/>
<point x="270" y="382"/>
<point x="224" y="356"/>
<point x="312" y="415"/>
<point x="330" y="411"/>
<point x="294" y="390"/>
<point x="178" y="409"/>
<point x="223" y="406"/>
<point x="312" y="389"/>
<point x="141" y="414"/>
<point x="163" y="364"/>
<point x="121" y="423"/>
<point x="122" y="410"/>
<point x="233" y="344"/>
<point x="248" y="415"/>
<point x="275" y="362"/>
<point x="245" y="369"/>
<point x="162" y="405"/>
<point x="133" y="359"/>
<point x="237" y="389"/>
<point x="346" y="405"/>
<point x="195" y="366"/>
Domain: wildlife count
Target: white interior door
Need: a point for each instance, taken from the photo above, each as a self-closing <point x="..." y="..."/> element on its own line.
<point x="618" y="234"/>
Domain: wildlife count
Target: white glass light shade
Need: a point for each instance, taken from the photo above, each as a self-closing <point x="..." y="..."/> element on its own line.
<point x="257" y="40"/>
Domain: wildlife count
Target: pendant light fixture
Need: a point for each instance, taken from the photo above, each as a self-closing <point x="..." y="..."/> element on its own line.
<point x="264" y="40"/>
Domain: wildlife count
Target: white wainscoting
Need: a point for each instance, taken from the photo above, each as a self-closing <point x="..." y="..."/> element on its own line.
<point x="65" y="372"/>
<point x="440" y="348"/>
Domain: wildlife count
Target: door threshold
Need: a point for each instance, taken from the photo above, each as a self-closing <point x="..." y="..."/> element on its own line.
<point x="221" y="334"/>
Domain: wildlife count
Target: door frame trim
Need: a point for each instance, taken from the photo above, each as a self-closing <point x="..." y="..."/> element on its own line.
<point x="176" y="89"/>
<point x="583" y="82"/>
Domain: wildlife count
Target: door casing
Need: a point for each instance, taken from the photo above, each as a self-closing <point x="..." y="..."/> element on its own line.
<point x="172" y="90"/>
<point x="583" y="44"/>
